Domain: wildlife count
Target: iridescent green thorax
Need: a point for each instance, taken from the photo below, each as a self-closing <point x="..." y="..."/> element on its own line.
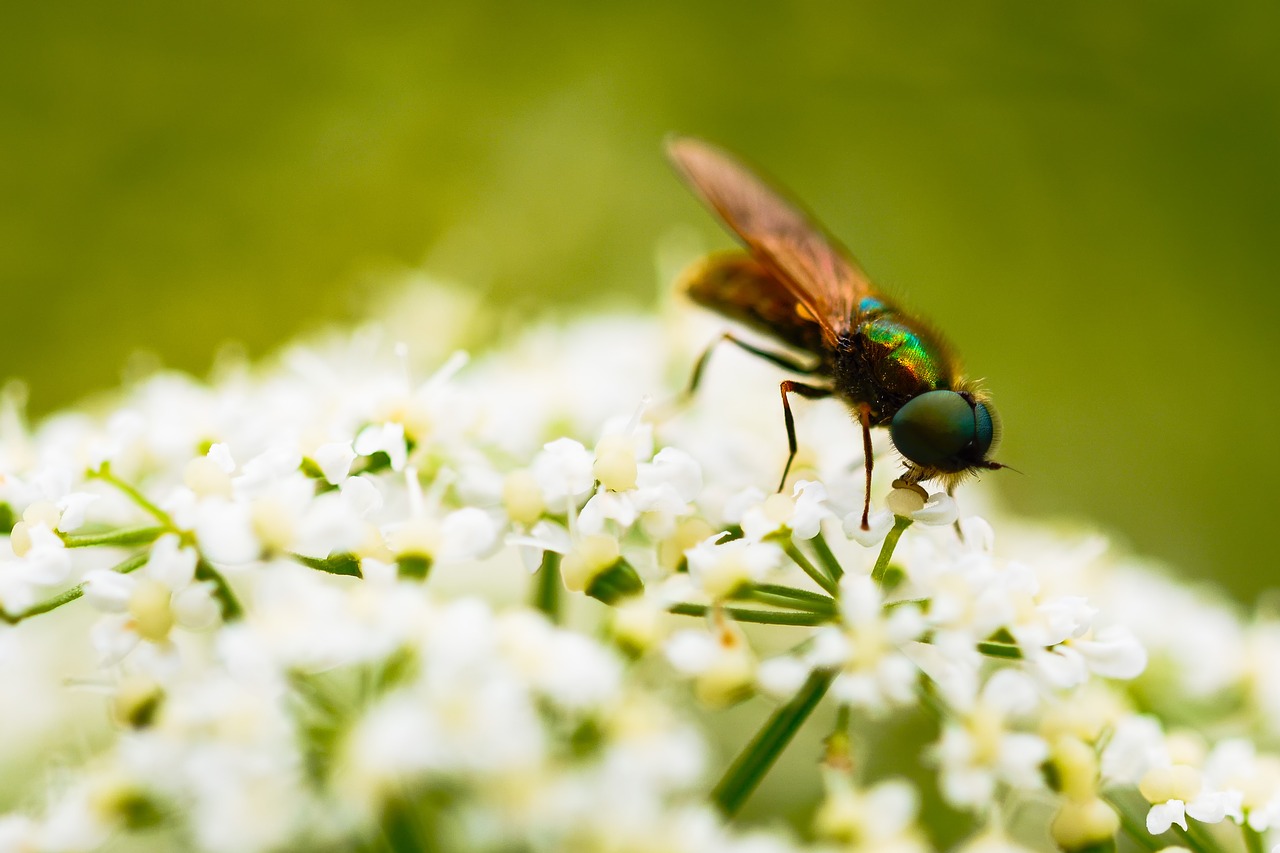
<point x="906" y="359"/>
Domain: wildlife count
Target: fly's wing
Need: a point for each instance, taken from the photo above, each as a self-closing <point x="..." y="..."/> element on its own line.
<point x="821" y="275"/>
<point x="741" y="288"/>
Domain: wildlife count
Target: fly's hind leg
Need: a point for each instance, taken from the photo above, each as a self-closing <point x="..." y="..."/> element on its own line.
<point x="786" y="362"/>
<point x="811" y="392"/>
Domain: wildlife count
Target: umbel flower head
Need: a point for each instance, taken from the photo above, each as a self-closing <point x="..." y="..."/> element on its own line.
<point x="372" y="596"/>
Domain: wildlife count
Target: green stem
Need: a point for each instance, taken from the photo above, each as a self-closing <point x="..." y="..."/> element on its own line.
<point x="828" y="559"/>
<point x="227" y="601"/>
<point x="746" y="614"/>
<point x="119" y="538"/>
<point x="927" y="690"/>
<point x="547" y="586"/>
<point x="839" y="753"/>
<point x="796" y="599"/>
<point x="816" y="598"/>
<point x="133" y="563"/>
<point x="1195" y="839"/>
<point x="1252" y="839"/>
<point x="104" y="474"/>
<point x="922" y="603"/>
<point x="1133" y="827"/>
<point x="754" y="761"/>
<point x="819" y="577"/>
<point x="886" y="550"/>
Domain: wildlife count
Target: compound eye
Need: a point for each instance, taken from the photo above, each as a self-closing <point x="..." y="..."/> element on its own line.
<point x="985" y="424"/>
<point x="935" y="428"/>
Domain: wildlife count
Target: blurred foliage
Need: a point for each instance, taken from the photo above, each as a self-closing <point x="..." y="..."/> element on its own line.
<point x="1083" y="195"/>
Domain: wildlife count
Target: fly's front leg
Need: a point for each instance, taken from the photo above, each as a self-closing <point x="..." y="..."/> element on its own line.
<point x="811" y="392"/>
<point x="864" y="417"/>
<point x="786" y="362"/>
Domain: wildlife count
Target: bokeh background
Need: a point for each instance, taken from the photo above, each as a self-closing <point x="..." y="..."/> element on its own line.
<point x="1084" y="195"/>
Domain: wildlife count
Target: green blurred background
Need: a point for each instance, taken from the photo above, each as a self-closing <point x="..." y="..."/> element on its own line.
<point x="1083" y="195"/>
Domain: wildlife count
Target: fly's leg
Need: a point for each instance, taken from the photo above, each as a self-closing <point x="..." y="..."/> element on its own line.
<point x="786" y="362"/>
<point x="813" y="393"/>
<point x="864" y="417"/>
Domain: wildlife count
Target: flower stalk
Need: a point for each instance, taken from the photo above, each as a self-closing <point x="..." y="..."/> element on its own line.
<point x="547" y="586"/>
<point x="826" y="557"/>
<point x="900" y="524"/>
<point x="819" y="577"/>
<point x="1253" y="841"/>
<point x="67" y="596"/>
<point x="104" y="474"/>
<point x="227" y="601"/>
<point x="779" y="595"/>
<point x="751" y="765"/>
<point x="747" y="614"/>
<point x="123" y="538"/>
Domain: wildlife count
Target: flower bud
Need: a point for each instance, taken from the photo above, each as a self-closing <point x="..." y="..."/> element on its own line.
<point x="638" y="624"/>
<point x="149" y="605"/>
<point x="20" y="539"/>
<point x="1178" y="782"/>
<point x="206" y="478"/>
<point x="725" y="574"/>
<point x="588" y="558"/>
<point x="729" y="678"/>
<point x="522" y="497"/>
<point x="418" y="537"/>
<point x="615" y="466"/>
<point x="904" y="501"/>
<point x="842" y="814"/>
<point x="273" y="524"/>
<point x="1080" y="825"/>
<point x="116" y="799"/>
<point x="1077" y="767"/>
<point x="42" y="512"/>
<point x="136" y="701"/>
<point x="779" y="508"/>
<point x="688" y="532"/>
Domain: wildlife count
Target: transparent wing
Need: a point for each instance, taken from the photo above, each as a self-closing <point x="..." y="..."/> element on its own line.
<point x="813" y="265"/>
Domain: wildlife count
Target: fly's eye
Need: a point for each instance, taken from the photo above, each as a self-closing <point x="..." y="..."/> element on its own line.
<point x="942" y="429"/>
<point x="985" y="432"/>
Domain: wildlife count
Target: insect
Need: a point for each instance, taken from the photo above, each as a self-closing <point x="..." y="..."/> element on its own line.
<point x="798" y="285"/>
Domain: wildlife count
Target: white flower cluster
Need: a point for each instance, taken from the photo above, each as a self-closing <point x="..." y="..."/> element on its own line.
<point x="308" y="579"/>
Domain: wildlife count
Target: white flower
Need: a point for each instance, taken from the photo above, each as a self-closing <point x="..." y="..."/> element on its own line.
<point x="1236" y="765"/>
<point x="385" y="438"/>
<point x="1178" y="791"/>
<point x="44" y="557"/>
<point x="1135" y="747"/>
<point x="873" y="673"/>
<point x="563" y="472"/>
<point x="879" y="524"/>
<point x="721" y="662"/>
<point x="334" y="460"/>
<point x="661" y="494"/>
<point x="721" y="568"/>
<point x="982" y="749"/>
<point x="782" y="677"/>
<point x="935" y="509"/>
<point x="801" y="513"/>
<point x="150" y="603"/>
<point x="542" y="537"/>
